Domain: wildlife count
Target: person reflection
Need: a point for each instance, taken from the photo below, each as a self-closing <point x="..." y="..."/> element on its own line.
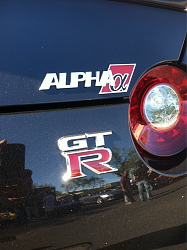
<point x="126" y="187"/>
<point x="141" y="178"/>
<point x="48" y="202"/>
<point x="19" y="210"/>
<point x="31" y="207"/>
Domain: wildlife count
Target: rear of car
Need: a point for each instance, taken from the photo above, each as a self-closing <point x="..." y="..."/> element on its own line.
<point x="89" y="89"/>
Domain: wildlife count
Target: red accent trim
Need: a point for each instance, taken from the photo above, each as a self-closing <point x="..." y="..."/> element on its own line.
<point x="95" y="160"/>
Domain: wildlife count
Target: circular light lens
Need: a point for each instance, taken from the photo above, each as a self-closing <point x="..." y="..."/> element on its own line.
<point x="158" y="111"/>
<point x="161" y="106"/>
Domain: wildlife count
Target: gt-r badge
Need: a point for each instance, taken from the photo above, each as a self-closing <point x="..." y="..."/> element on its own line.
<point x="115" y="80"/>
<point x="78" y="155"/>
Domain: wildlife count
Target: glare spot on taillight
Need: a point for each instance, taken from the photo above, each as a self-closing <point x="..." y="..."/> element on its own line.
<point x="161" y="106"/>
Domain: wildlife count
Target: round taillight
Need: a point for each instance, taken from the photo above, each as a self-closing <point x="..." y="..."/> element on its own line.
<point x="158" y="111"/>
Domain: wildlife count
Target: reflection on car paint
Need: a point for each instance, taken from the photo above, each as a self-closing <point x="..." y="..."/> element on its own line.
<point x="64" y="48"/>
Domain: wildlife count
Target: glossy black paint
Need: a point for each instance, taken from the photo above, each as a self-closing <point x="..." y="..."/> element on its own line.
<point x="39" y="37"/>
<point x="53" y="37"/>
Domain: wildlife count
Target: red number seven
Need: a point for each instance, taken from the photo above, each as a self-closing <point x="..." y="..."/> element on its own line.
<point x="95" y="160"/>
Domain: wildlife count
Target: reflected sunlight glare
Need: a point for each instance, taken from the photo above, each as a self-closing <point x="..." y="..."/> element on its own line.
<point x="66" y="176"/>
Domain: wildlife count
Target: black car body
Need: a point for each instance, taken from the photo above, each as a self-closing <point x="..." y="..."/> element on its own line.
<point x="88" y="89"/>
<point x="61" y="208"/>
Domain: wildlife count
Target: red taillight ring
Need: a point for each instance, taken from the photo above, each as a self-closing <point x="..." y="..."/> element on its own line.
<point x="158" y="111"/>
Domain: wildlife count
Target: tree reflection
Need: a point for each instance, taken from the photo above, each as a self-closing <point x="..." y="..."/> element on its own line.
<point x="124" y="159"/>
<point x="91" y="182"/>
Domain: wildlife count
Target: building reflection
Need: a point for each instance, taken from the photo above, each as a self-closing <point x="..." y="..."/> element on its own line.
<point x="15" y="181"/>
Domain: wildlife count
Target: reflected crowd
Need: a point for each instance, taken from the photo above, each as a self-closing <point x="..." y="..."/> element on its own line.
<point x="21" y="202"/>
